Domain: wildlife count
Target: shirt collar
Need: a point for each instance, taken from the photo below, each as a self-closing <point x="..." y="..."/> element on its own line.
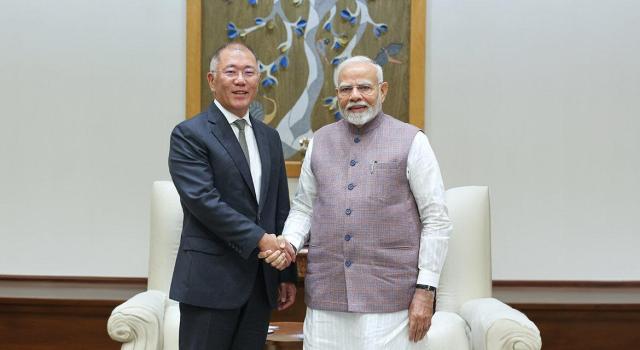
<point x="230" y="116"/>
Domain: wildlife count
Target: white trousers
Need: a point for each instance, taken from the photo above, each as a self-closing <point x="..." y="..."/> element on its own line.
<point x="330" y="330"/>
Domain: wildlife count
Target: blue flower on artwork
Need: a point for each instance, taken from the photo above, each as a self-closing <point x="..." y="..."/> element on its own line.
<point x="327" y="26"/>
<point x="337" y="115"/>
<point x="336" y="46"/>
<point x="232" y="31"/>
<point x="269" y="81"/>
<point x="260" y="66"/>
<point x="259" y="21"/>
<point x="329" y="102"/>
<point x="300" y="27"/>
<point x="336" y="61"/>
<point x="380" y="30"/>
<point x="348" y="16"/>
<point x="252" y="2"/>
<point x="274" y="68"/>
<point x="284" y="62"/>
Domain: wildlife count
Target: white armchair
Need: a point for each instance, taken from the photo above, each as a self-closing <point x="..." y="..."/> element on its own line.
<point x="150" y="320"/>
<point x="466" y="316"/>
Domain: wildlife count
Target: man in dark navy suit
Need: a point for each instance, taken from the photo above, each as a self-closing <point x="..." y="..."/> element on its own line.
<point x="229" y="171"/>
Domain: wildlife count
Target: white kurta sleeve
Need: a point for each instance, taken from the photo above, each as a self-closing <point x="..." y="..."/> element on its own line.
<point x="426" y="185"/>
<point x="296" y="228"/>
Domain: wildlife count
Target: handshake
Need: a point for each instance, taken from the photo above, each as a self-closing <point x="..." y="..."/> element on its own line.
<point x="276" y="250"/>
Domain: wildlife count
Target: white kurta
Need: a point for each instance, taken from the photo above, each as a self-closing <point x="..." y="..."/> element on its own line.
<point x="327" y="330"/>
<point x="330" y="330"/>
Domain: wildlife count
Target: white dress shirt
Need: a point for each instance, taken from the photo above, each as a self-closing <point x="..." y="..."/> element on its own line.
<point x="255" y="164"/>
<point x="426" y="185"/>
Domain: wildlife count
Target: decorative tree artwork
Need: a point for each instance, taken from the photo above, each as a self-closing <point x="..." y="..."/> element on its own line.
<point x="299" y="43"/>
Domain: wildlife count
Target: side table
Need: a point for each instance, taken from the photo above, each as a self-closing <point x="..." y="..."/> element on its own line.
<point x="288" y="336"/>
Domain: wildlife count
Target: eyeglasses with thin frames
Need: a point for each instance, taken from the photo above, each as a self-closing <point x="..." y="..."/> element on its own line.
<point x="247" y="73"/>
<point x="364" y="89"/>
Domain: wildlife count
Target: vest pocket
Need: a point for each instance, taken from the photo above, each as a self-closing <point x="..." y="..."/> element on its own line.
<point x="386" y="178"/>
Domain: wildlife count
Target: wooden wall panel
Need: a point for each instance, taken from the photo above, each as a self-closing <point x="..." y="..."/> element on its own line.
<point x="586" y="327"/>
<point x="37" y="324"/>
<point x="66" y="323"/>
<point x="82" y="324"/>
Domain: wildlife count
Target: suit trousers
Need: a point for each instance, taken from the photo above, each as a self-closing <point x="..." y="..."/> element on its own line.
<point x="244" y="328"/>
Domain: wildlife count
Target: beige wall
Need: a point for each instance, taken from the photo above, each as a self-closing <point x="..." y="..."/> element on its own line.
<point x="89" y="93"/>
<point x="540" y="101"/>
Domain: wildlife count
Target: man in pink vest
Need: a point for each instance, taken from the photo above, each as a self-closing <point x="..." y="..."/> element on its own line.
<point x="370" y="202"/>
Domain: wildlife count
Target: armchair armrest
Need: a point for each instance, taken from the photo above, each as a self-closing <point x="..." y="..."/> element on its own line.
<point x="495" y="325"/>
<point x="137" y="323"/>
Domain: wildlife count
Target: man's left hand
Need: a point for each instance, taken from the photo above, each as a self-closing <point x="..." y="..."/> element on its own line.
<point x="286" y="295"/>
<point x="420" y="312"/>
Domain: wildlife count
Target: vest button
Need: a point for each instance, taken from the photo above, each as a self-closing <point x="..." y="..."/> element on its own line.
<point x="347" y="263"/>
<point x="353" y="162"/>
<point x="356" y="140"/>
<point x="351" y="186"/>
<point x="348" y="211"/>
<point x="347" y="237"/>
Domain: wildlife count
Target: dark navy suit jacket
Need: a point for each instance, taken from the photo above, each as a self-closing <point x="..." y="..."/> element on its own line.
<point x="217" y="259"/>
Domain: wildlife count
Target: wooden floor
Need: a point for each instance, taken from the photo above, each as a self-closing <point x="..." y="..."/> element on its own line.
<point x="47" y="315"/>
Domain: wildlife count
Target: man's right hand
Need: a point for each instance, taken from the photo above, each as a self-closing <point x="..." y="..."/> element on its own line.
<point x="268" y="242"/>
<point x="281" y="257"/>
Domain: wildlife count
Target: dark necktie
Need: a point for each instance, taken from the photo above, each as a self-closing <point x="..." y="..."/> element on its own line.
<point x="241" y="123"/>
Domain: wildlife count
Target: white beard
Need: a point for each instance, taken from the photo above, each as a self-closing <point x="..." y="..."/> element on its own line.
<point x="362" y="118"/>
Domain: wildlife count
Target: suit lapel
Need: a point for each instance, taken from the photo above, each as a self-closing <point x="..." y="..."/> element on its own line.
<point x="221" y="129"/>
<point x="265" y="156"/>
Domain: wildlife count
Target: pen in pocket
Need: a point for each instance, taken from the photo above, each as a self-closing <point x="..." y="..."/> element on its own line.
<point x="373" y="165"/>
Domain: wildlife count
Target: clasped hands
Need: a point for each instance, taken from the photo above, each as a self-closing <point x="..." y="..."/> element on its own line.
<point x="276" y="250"/>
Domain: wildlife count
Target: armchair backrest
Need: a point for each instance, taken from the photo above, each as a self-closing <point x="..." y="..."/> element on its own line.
<point x="166" y="228"/>
<point x="466" y="273"/>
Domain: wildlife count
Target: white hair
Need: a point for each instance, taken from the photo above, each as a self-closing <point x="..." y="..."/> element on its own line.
<point x="357" y="59"/>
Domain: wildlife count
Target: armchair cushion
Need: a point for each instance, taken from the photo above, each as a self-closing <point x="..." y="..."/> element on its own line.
<point x="495" y="325"/>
